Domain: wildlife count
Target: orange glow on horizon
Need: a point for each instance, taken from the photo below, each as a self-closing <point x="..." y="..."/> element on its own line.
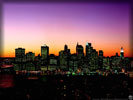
<point x="107" y="52"/>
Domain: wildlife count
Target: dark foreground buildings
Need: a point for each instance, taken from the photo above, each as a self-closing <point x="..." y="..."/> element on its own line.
<point x="89" y="61"/>
<point x="82" y="84"/>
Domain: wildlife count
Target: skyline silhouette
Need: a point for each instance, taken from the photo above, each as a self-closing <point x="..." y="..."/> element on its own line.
<point x="84" y="50"/>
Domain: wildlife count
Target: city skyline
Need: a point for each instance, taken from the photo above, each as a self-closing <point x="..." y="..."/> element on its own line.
<point x="106" y="26"/>
<point x="84" y="50"/>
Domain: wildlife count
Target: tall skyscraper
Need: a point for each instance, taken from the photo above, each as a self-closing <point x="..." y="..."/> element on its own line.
<point x="88" y="49"/>
<point x="30" y="61"/>
<point x="101" y="53"/>
<point x="64" y="58"/>
<point x="79" y="50"/>
<point x="73" y="62"/>
<point x="44" y="51"/>
<point x="80" y="54"/>
<point x="122" y="52"/>
<point x="44" y="54"/>
<point x="19" y="54"/>
<point x="100" y="59"/>
<point x="65" y="48"/>
<point x="93" y="60"/>
<point x="20" y="59"/>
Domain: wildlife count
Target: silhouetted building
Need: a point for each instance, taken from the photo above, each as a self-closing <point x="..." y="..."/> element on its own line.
<point x="106" y="63"/>
<point x="52" y="59"/>
<point x="52" y="62"/>
<point x="100" y="53"/>
<point x="116" y="54"/>
<point x="20" y="55"/>
<point x="37" y="58"/>
<point x="20" y="59"/>
<point x="80" y="54"/>
<point x="93" y="60"/>
<point x="100" y="59"/>
<point x="79" y="51"/>
<point x="88" y="49"/>
<point x="30" y="61"/>
<point x="30" y="56"/>
<point x="73" y="62"/>
<point x="126" y="63"/>
<point x="65" y="48"/>
<point x="37" y="62"/>
<point x="116" y="63"/>
<point x="64" y="58"/>
<point x="44" y="54"/>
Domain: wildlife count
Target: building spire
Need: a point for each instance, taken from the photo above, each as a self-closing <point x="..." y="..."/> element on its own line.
<point x="77" y="44"/>
<point x="122" y="50"/>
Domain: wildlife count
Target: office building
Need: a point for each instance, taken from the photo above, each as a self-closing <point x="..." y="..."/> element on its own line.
<point x="64" y="56"/>
<point x="30" y="56"/>
<point x="100" y="59"/>
<point x="44" y="54"/>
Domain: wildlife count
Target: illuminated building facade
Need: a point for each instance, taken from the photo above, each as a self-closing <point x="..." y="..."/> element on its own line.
<point x="122" y="52"/>
<point x="44" y="54"/>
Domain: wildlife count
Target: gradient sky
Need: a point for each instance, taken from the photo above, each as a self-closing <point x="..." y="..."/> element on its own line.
<point x="30" y="26"/>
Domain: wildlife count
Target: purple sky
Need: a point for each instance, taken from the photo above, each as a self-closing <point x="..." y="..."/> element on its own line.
<point x="106" y="26"/>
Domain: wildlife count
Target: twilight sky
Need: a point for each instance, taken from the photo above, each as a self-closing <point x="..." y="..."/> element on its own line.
<point x="30" y="26"/>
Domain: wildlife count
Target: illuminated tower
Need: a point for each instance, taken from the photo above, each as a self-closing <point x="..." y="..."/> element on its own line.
<point x="122" y="52"/>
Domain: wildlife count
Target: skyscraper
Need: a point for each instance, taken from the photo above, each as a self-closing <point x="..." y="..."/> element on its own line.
<point x="30" y="61"/>
<point x="64" y="58"/>
<point x="20" y="59"/>
<point x="44" y="54"/>
<point x="19" y="54"/>
<point x="65" y="48"/>
<point x="93" y="60"/>
<point x="122" y="52"/>
<point x="88" y="49"/>
<point x="101" y="53"/>
<point x="79" y="50"/>
<point x="80" y="54"/>
<point x="100" y="59"/>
